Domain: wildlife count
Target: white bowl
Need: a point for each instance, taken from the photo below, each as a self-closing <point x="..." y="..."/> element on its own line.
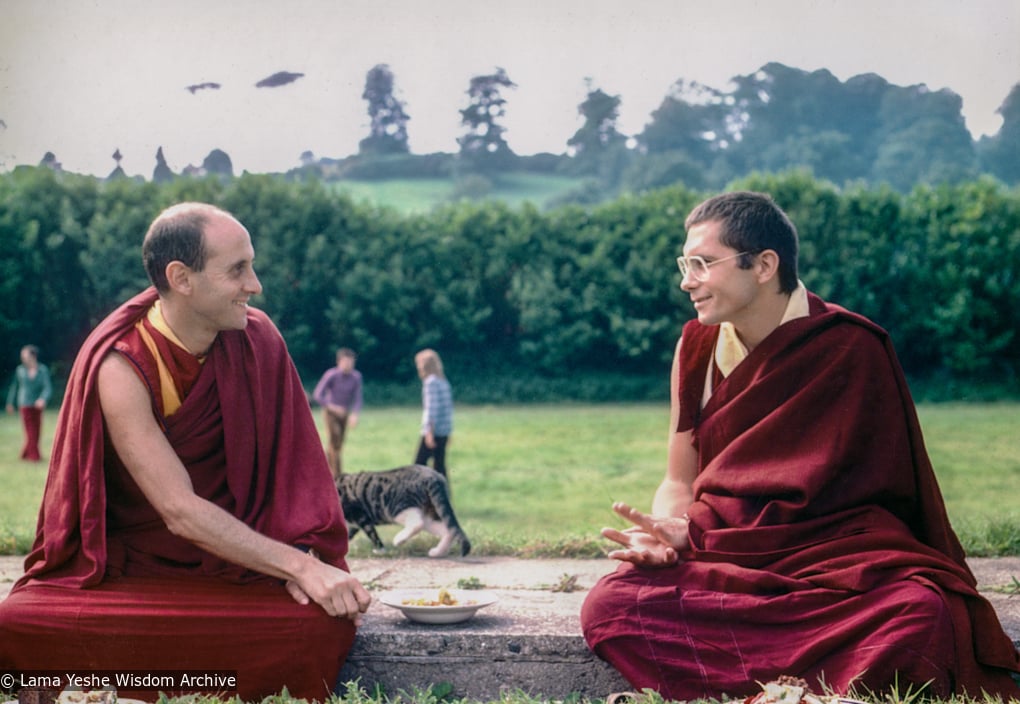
<point x="468" y="602"/>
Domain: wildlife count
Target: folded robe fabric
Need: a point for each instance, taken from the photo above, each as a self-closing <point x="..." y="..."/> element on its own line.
<point x="820" y="545"/>
<point x="105" y="561"/>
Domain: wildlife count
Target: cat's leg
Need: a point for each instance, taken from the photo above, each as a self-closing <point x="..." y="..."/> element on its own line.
<point x="441" y="531"/>
<point x="413" y="520"/>
<point x="377" y="544"/>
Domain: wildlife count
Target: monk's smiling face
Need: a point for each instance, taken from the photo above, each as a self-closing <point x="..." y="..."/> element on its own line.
<point x="220" y="292"/>
<point x="728" y="292"/>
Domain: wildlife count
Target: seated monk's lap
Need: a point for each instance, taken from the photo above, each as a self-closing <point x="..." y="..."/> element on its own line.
<point x="148" y="624"/>
<point x="902" y="628"/>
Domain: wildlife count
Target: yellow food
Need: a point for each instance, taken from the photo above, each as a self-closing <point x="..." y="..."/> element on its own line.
<point x="444" y="599"/>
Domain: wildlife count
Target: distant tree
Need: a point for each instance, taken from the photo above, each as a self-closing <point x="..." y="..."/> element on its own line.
<point x="162" y="172"/>
<point x="923" y="139"/>
<point x="483" y="147"/>
<point x="690" y="120"/>
<point x="781" y="118"/>
<point x="660" y="169"/>
<point x="599" y="135"/>
<point x="118" y="172"/>
<point x="828" y="154"/>
<point x="218" y="163"/>
<point x="388" y="131"/>
<point x="1000" y="154"/>
<point x="49" y="160"/>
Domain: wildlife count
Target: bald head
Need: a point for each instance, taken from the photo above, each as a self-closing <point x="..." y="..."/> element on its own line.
<point x="177" y="234"/>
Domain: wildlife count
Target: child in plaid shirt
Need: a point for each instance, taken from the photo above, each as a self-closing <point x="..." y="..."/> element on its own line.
<point x="437" y="410"/>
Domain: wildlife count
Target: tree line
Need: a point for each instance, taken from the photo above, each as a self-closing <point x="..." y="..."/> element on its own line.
<point x="522" y="304"/>
<point x="773" y="119"/>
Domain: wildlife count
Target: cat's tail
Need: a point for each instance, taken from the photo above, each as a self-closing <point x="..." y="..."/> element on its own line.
<point x="439" y="494"/>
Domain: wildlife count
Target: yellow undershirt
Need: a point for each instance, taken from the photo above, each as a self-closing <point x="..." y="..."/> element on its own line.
<point x="730" y="351"/>
<point x="168" y="390"/>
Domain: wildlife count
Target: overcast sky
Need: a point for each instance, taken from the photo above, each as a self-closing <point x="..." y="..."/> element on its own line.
<point x="82" y="78"/>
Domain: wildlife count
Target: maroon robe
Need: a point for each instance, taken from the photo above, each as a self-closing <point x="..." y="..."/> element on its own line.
<point x="108" y="587"/>
<point x="820" y="545"/>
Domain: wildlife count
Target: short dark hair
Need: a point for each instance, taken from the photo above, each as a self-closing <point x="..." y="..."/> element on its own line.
<point x="177" y="234"/>
<point x="346" y="352"/>
<point x="753" y="222"/>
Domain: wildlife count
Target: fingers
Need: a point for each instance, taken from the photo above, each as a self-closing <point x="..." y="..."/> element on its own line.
<point x="633" y="515"/>
<point x="363" y="597"/>
<point x="646" y="558"/>
<point x="616" y="536"/>
<point x="296" y="592"/>
<point x="353" y="603"/>
<point x="349" y="599"/>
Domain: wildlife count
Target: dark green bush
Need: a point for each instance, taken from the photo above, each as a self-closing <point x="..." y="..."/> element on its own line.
<point x="573" y="303"/>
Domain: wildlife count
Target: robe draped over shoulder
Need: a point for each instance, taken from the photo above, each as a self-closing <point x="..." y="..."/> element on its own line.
<point x="246" y="435"/>
<point x="820" y="545"/>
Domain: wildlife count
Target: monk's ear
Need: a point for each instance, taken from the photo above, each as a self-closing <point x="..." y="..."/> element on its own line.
<point x="767" y="266"/>
<point x="178" y="275"/>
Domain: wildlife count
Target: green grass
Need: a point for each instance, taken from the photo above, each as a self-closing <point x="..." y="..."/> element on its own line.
<point x="409" y="195"/>
<point x="538" y="480"/>
<point x="518" y="188"/>
<point x="420" y="195"/>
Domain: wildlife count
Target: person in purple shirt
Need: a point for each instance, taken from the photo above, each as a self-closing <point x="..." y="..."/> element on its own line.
<point x="339" y="394"/>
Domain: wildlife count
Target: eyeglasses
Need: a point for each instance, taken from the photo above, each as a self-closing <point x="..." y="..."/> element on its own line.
<point x="697" y="267"/>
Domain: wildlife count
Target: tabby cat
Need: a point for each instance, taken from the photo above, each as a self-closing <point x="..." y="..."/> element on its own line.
<point x="417" y="497"/>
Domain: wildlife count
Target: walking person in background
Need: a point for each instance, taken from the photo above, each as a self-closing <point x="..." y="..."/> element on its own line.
<point x="30" y="392"/>
<point x="437" y="410"/>
<point x="339" y="394"/>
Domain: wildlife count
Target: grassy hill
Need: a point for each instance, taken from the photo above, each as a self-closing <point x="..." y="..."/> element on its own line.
<point x="419" y="195"/>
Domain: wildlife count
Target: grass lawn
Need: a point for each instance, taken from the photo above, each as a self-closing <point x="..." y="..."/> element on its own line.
<point x="420" y="195"/>
<point x="407" y="195"/>
<point x="538" y="480"/>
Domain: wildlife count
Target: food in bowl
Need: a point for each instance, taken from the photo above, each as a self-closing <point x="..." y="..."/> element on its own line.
<point x="445" y="598"/>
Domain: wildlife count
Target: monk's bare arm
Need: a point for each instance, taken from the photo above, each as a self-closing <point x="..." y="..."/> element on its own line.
<point x="161" y="476"/>
<point x="657" y="538"/>
<point x="674" y="494"/>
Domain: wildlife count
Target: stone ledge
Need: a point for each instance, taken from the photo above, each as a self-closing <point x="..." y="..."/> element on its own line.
<point x="530" y="639"/>
<point x="480" y="666"/>
<point x="527" y="641"/>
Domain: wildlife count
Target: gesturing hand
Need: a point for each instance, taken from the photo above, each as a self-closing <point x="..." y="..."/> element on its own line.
<point x="653" y="541"/>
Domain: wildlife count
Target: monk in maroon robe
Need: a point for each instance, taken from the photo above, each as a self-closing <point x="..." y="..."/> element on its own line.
<point x="189" y="521"/>
<point x="799" y="529"/>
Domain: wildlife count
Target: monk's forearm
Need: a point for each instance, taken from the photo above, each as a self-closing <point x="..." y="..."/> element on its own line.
<point x="211" y="528"/>
<point x="671" y="498"/>
<point x="308" y="578"/>
<point x="674" y="494"/>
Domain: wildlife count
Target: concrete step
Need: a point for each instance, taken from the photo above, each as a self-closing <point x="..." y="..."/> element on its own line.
<point x="529" y="640"/>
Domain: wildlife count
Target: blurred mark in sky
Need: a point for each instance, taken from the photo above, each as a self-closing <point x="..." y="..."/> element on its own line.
<point x="280" y="78"/>
<point x="208" y="85"/>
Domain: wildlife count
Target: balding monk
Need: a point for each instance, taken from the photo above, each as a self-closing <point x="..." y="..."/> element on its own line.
<point x="189" y="521"/>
